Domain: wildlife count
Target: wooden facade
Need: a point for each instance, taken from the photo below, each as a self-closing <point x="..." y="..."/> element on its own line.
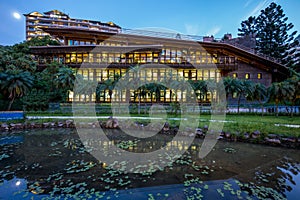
<point x="99" y="55"/>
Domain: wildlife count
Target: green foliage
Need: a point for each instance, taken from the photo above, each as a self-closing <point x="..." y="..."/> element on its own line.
<point x="272" y="33"/>
<point x="281" y="93"/>
<point x="23" y="47"/>
<point x="14" y="84"/>
<point x="36" y="100"/>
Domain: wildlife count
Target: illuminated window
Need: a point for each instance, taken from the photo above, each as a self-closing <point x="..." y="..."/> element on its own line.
<point x="85" y="74"/>
<point x="73" y="57"/>
<point x="91" y="75"/>
<point x="247" y="76"/>
<point x="212" y="74"/>
<point x="259" y="76"/>
<point x="234" y="75"/>
<point x="205" y="74"/>
<point x="199" y="74"/>
<point x="79" y="58"/>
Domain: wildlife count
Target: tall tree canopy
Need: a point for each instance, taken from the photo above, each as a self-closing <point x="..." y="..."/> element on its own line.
<point x="273" y="34"/>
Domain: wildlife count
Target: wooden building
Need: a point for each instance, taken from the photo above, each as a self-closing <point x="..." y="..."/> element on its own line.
<point x="100" y="55"/>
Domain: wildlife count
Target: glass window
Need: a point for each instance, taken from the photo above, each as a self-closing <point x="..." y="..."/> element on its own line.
<point x="149" y="57"/>
<point x="73" y="58"/>
<point x="91" y="75"/>
<point x="180" y="74"/>
<point x="85" y="57"/>
<point x="85" y="74"/>
<point x="98" y="74"/>
<point x="247" y="76"/>
<point x="205" y="74"/>
<point x="212" y="74"/>
<point x="104" y="75"/>
<point x="104" y="57"/>
<point x="117" y="58"/>
<point x="154" y="74"/>
<point x="259" y="76"/>
<point x="79" y="58"/>
<point x="149" y="74"/>
<point x="199" y="74"/>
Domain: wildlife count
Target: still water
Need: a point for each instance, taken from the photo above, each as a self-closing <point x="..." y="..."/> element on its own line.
<point x="58" y="164"/>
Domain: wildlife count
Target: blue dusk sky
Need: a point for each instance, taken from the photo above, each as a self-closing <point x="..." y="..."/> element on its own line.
<point x="194" y="17"/>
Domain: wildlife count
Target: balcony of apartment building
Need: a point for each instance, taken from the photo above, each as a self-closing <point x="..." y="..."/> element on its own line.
<point x="79" y="24"/>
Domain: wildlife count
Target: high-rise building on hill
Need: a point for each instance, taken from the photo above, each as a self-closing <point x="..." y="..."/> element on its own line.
<point x="36" y="21"/>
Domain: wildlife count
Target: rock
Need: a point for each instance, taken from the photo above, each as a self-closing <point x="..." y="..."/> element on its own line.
<point x="227" y="134"/>
<point x="112" y="123"/>
<point x="246" y="136"/>
<point x="255" y="134"/>
<point x="46" y="125"/>
<point x="273" y="139"/>
<point x="69" y="123"/>
<point x="289" y="139"/>
<point x="4" y="127"/>
<point x="12" y="126"/>
<point x="52" y="124"/>
<point x="19" y="126"/>
<point x="219" y="137"/>
<point x="166" y="127"/>
<point x="199" y="132"/>
<point x="60" y="124"/>
<point x="32" y="125"/>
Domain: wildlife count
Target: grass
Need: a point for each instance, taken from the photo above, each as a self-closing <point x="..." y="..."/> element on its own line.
<point x="236" y="123"/>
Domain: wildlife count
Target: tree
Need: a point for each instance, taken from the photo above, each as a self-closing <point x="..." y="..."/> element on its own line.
<point x="15" y="83"/>
<point x="259" y="93"/>
<point x="155" y="88"/>
<point x="272" y="33"/>
<point x="236" y="89"/>
<point x="107" y="85"/>
<point x="84" y="87"/>
<point x="200" y="88"/>
<point x="295" y="97"/>
<point x="280" y="92"/>
<point x="65" y="78"/>
<point x="248" y="27"/>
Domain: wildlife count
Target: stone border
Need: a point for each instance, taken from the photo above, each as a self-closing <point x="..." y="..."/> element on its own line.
<point x="255" y="137"/>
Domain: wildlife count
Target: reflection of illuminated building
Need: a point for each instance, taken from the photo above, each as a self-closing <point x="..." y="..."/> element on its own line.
<point x="103" y="54"/>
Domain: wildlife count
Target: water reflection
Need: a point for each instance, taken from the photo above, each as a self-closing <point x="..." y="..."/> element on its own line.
<point x="54" y="163"/>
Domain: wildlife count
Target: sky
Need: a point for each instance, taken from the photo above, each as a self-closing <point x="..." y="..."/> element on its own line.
<point x="193" y="17"/>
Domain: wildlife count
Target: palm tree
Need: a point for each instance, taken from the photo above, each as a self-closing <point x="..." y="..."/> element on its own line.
<point x="229" y="87"/>
<point x="280" y="92"/>
<point x="295" y="81"/>
<point x="233" y="87"/>
<point x="156" y="88"/>
<point x="179" y="85"/>
<point x="200" y="88"/>
<point x="84" y="87"/>
<point x="259" y="93"/>
<point x="65" y="78"/>
<point x="244" y="88"/>
<point x="15" y="84"/>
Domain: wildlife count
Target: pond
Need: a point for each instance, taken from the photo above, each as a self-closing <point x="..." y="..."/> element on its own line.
<point x="58" y="164"/>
